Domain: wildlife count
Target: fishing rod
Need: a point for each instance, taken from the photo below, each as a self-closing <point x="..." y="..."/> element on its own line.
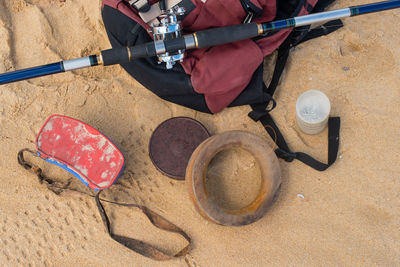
<point x="200" y="39"/>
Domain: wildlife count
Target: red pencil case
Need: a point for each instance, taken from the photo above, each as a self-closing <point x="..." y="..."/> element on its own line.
<point x="81" y="150"/>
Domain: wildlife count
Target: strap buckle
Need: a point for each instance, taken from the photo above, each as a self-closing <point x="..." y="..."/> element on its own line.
<point x="261" y="110"/>
<point x="287" y="156"/>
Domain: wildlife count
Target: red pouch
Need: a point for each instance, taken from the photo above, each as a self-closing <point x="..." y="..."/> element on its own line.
<point x="81" y="150"/>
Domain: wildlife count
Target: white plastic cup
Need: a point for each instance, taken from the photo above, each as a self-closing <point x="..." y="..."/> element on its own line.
<point x="312" y="111"/>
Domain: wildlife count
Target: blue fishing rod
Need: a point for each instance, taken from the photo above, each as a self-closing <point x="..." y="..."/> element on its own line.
<point x="200" y="39"/>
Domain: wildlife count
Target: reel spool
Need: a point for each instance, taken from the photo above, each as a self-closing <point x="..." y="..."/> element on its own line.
<point x="169" y="28"/>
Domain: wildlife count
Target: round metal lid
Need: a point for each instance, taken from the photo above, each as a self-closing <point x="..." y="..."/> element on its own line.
<point x="173" y="142"/>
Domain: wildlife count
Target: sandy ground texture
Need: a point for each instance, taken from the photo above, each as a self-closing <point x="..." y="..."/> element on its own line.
<point x="347" y="215"/>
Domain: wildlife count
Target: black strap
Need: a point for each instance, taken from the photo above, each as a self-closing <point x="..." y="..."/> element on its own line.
<point x="324" y="29"/>
<point x="261" y="112"/>
<point x="333" y="148"/>
<point x="285" y="153"/>
<point x="302" y="35"/>
<point x="283" y="55"/>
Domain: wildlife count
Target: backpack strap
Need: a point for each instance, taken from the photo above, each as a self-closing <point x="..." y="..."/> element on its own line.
<point x="261" y="112"/>
<point x="296" y="38"/>
<point x="285" y="153"/>
<point x="324" y="29"/>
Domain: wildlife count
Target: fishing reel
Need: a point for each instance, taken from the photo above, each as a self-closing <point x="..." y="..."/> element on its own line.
<point x="168" y="28"/>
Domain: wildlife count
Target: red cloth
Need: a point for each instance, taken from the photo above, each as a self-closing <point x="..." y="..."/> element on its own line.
<point x="222" y="72"/>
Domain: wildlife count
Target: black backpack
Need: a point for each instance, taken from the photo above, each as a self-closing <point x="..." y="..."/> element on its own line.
<point x="174" y="85"/>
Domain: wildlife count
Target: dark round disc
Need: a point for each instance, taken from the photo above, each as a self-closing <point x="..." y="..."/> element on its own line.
<point x="173" y="142"/>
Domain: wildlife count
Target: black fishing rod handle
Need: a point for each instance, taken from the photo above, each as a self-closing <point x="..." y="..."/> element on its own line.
<point x="121" y="55"/>
<point x="227" y="34"/>
<point x="202" y="39"/>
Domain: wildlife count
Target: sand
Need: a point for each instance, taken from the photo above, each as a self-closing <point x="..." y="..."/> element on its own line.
<point x="233" y="178"/>
<point x="348" y="215"/>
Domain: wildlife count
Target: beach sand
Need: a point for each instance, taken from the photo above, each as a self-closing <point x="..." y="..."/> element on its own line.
<point x="348" y="215"/>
